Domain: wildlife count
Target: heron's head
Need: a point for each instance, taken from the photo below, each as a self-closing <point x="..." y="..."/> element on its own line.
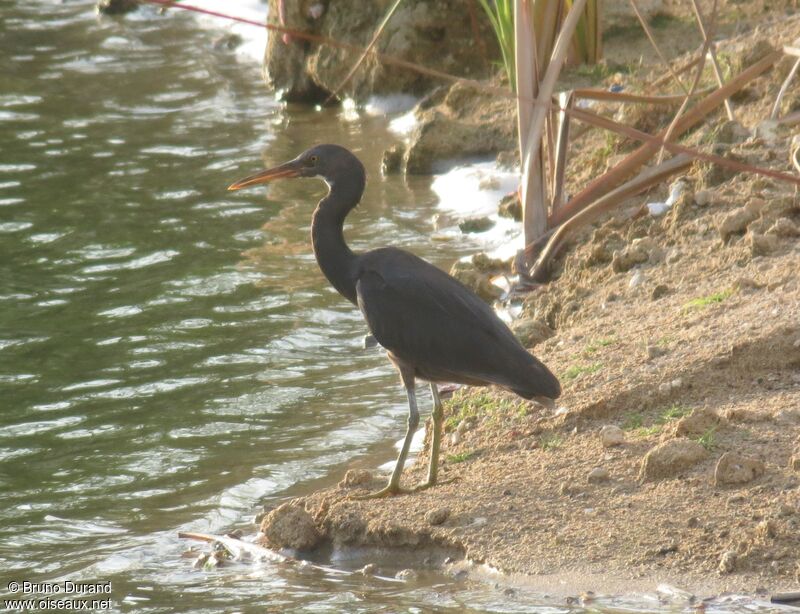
<point x="329" y="162"/>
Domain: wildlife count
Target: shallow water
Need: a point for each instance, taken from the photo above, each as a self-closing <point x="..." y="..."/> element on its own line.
<point x="170" y="356"/>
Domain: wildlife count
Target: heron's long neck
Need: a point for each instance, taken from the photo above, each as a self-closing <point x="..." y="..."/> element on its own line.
<point x="335" y="259"/>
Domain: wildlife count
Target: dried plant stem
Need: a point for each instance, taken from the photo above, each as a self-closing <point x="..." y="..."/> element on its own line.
<point x="644" y="180"/>
<point x="712" y="52"/>
<point x="776" y="108"/>
<point x="630" y="164"/>
<point x="652" y="40"/>
<point x="533" y="194"/>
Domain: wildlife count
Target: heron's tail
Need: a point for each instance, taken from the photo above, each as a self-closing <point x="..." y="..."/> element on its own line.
<point x="538" y="381"/>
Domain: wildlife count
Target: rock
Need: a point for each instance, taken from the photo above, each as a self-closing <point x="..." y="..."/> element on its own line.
<point x="485" y="264"/>
<point x="510" y="207"/>
<point x="228" y="42"/>
<point x="732" y="468"/>
<point x="531" y="331"/>
<point x="116" y="7"/>
<point x="731" y="132"/>
<point x="476" y="224"/>
<point x="476" y="281"/>
<point x="355" y="477"/>
<point x="762" y="245"/>
<point x="702" y="197"/>
<point x="455" y="438"/>
<point x="767" y="529"/>
<point x="653" y="351"/>
<point x="611" y="435"/>
<point x="784" y="227"/>
<point x="598" y="475"/>
<point x="747" y="415"/>
<point x="670" y="459"/>
<point x="290" y="526"/>
<point x="370" y="569"/>
<point x="746" y="283"/>
<point x="659" y="291"/>
<point x="406" y="574"/>
<point x="465" y="124"/>
<point x="697" y="423"/>
<point x="639" y="251"/>
<point x="727" y="562"/>
<point x="437" y="516"/>
<point x="438" y="35"/>
<point x="392" y="162"/>
<point x="735" y="222"/>
<point x="637" y="279"/>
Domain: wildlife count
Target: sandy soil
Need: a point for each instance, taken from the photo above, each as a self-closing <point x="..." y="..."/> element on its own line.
<point x="678" y="338"/>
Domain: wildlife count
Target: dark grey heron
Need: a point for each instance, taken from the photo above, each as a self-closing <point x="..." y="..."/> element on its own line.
<point x="432" y="327"/>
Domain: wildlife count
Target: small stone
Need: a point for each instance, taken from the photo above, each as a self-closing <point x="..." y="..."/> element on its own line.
<point x="200" y="561"/>
<point x="392" y="162"/>
<point x="510" y="207"/>
<point x="762" y="245"/>
<point x="786" y="510"/>
<point x="437" y="516"/>
<point x="116" y="7"/>
<point x="733" y="468"/>
<point x="531" y="331"/>
<point x="637" y="279"/>
<point x="735" y="222"/>
<point x="767" y="529"/>
<point x="611" y="435"/>
<point x="673" y="256"/>
<point x="676" y="383"/>
<point x="290" y="526"/>
<point x="693" y="522"/>
<point x="455" y="438"/>
<point x="654" y="351"/>
<point x="406" y="574"/>
<point x="746" y="283"/>
<point x="597" y="475"/>
<point x="640" y="250"/>
<point x="659" y="291"/>
<point x="670" y="459"/>
<point x="355" y="477"/>
<point x="368" y="570"/>
<point x="747" y="415"/>
<point x="702" y="197"/>
<point x="755" y="205"/>
<point x="476" y="224"/>
<point x="784" y="227"/>
<point x="665" y="388"/>
<point x="697" y="423"/>
<point x="736" y="499"/>
<point x="727" y="562"/>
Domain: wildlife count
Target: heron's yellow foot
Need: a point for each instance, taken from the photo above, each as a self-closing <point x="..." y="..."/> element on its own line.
<point x="429" y="484"/>
<point x="386" y="491"/>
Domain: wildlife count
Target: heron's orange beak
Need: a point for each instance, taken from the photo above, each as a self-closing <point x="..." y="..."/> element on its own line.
<point x="288" y="170"/>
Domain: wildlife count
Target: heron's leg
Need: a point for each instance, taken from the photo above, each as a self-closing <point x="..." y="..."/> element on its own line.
<point x="393" y="487"/>
<point x="437" y="416"/>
